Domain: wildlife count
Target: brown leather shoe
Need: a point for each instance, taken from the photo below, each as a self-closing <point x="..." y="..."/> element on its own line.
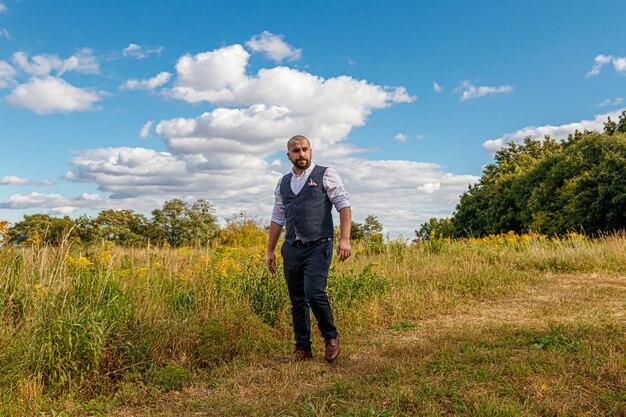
<point x="332" y="349"/>
<point x="300" y="355"/>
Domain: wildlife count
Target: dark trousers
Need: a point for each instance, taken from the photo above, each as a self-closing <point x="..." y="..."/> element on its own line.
<point x="306" y="272"/>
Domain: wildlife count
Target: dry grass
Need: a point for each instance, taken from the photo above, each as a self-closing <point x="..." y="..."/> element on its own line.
<point x="507" y="326"/>
<point x="421" y="371"/>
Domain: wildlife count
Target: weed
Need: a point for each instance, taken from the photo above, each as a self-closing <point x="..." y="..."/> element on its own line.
<point x="171" y="377"/>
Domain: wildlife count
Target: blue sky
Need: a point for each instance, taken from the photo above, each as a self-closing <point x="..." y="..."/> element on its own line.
<point x="407" y="100"/>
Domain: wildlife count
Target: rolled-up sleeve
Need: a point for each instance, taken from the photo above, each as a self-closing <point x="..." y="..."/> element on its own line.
<point x="335" y="190"/>
<point x="278" y="214"/>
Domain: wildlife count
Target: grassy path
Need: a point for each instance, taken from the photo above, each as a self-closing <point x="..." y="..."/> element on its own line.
<point x="557" y="347"/>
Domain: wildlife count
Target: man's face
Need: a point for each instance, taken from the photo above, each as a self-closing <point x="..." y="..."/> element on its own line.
<point x="300" y="154"/>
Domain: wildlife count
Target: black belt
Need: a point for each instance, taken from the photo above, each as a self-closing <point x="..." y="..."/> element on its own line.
<point x="301" y="244"/>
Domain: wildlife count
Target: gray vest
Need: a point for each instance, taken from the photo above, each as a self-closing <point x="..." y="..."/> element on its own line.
<point x="308" y="213"/>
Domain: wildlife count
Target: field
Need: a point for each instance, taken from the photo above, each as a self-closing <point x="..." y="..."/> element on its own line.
<point x="501" y="326"/>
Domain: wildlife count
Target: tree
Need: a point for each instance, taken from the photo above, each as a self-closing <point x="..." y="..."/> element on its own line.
<point x="435" y="228"/>
<point x="610" y="127"/>
<point x="180" y="224"/>
<point x="123" y="227"/>
<point x="493" y="205"/>
<point x="585" y="188"/>
<point x="551" y="187"/>
<point x="356" y="231"/>
<point x="372" y="228"/>
<point x="86" y="229"/>
<point x="43" y="228"/>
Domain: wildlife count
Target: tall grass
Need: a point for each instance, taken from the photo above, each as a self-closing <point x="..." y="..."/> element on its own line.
<point x="91" y="319"/>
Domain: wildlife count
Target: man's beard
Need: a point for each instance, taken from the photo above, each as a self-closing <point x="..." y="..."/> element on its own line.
<point x="297" y="162"/>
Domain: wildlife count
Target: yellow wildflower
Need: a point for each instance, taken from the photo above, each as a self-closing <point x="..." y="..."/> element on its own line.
<point x="226" y="265"/>
<point x="184" y="251"/>
<point x="103" y="258"/>
<point x="39" y="290"/>
<point x="82" y="262"/>
<point x="186" y="275"/>
<point x="34" y="240"/>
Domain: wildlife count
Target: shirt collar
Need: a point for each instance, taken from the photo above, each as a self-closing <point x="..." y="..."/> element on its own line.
<point x="305" y="173"/>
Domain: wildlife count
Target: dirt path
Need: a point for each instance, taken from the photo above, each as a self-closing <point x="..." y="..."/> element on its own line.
<point x="258" y="387"/>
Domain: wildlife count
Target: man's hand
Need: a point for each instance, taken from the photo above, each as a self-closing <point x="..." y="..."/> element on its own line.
<point x="344" y="249"/>
<point x="271" y="262"/>
<point x="272" y="240"/>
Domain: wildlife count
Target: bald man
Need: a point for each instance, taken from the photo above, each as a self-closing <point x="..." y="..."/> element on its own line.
<point x="303" y="203"/>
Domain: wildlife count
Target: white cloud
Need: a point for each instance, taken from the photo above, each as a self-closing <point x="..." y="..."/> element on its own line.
<point x="150" y="84"/>
<point x="55" y="203"/>
<point x="418" y="190"/>
<point x="275" y="104"/>
<point x="219" y="77"/>
<point x="610" y="102"/>
<point x="211" y="76"/>
<point x="4" y="33"/>
<point x="3" y="8"/>
<point x="257" y="130"/>
<point x="619" y="64"/>
<point x="51" y="95"/>
<point x="469" y="91"/>
<point x="274" y="47"/>
<point x="138" y="174"/>
<point x="41" y="65"/>
<point x="63" y="210"/>
<point x="122" y="169"/>
<point x="90" y="197"/>
<point x="226" y="155"/>
<point x="599" y="62"/>
<point x="400" y="137"/>
<point x="14" y="180"/>
<point x="83" y="62"/>
<point x="145" y="130"/>
<point x="34" y="199"/>
<point x="429" y="187"/>
<point x="555" y="132"/>
<point x="420" y="137"/>
<point x="141" y="51"/>
<point x="7" y="74"/>
<point x="436" y="87"/>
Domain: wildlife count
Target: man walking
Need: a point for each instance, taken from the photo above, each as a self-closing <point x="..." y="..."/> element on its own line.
<point x="303" y="203"/>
